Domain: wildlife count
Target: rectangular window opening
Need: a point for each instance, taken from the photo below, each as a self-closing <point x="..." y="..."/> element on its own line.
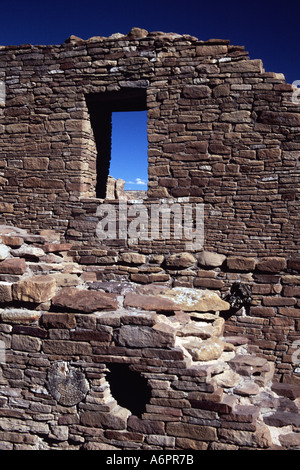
<point x="119" y="123"/>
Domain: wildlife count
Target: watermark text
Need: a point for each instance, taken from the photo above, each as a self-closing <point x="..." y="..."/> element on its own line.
<point x="152" y="221"/>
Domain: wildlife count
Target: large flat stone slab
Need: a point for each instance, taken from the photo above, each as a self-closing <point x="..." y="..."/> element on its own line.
<point x="195" y="300"/>
<point x="149" y="302"/>
<point x="87" y="301"/>
<point x="35" y="289"/>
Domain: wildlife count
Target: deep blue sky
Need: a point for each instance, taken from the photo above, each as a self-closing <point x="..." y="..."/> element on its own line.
<point x="269" y="30"/>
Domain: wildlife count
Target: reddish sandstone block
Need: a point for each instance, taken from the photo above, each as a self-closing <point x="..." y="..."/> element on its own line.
<point x="211" y="50"/>
<point x="272" y="264"/>
<point x="13" y="266"/>
<point x="66" y="347"/>
<point x="35" y="289"/>
<point x="200" y="433"/>
<point x="56" y="247"/>
<point x="5" y="292"/>
<point x="289" y="312"/>
<point x="239" y="263"/>
<point x="294" y="263"/>
<point x="12" y="241"/>
<point x="84" y="300"/>
<point x="58" y="320"/>
<point x="36" y="163"/>
<point x="262" y="311"/>
<point x="282" y="118"/>
<point x="291" y="291"/>
<point x="196" y="91"/>
<point x="209" y="283"/>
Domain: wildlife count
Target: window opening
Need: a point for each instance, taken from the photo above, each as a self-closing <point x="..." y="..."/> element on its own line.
<point x="129" y="388"/>
<point x="129" y="149"/>
<point x="101" y="108"/>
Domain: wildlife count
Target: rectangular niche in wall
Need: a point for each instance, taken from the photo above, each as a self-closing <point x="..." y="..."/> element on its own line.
<point x="101" y="106"/>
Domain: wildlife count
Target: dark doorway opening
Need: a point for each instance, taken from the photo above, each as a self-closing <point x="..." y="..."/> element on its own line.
<point x="129" y="388"/>
<point x="100" y="107"/>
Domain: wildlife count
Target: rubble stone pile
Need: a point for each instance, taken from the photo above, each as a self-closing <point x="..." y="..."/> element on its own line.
<point x="76" y="351"/>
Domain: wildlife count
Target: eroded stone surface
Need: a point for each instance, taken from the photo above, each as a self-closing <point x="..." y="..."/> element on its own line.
<point x="196" y="300"/>
<point x="67" y="384"/>
<point x="35" y="289"/>
<point x="84" y="300"/>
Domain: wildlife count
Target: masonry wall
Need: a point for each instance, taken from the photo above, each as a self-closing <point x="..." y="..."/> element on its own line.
<point x="221" y="132"/>
<point x="111" y="365"/>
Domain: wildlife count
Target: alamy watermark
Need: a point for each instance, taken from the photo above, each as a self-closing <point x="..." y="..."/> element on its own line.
<point x="2" y="93"/>
<point x="2" y="352"/>
<point x="296" y="93"/>
<point x="296" y="354"/>
<point x="165" y="220"/>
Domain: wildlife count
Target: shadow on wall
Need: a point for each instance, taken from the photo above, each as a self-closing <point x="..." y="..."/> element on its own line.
<point x="128" y="388"/>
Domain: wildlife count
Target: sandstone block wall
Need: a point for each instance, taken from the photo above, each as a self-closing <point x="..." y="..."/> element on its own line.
<point x="113" y="365"/>
<point x="222" y="132"/>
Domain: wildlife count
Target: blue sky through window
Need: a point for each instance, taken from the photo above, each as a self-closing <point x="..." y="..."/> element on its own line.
<point x="129" y="159"/>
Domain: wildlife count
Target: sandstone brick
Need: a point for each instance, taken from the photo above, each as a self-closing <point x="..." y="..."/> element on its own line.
<point x="145" y="337"/>
<point x="185" y="443"/>
<point x="211" y="50"/>
<point x="261" y="438"/>
<point x="5" y="292"/>
<point x="64" y="348"/>
<point x="271" y="264"/>
<point x="289" y="312"/>
<point x="242" y="66"/>
<point x="19" y="316"/>
<point x="12" y="241"/>
<point x="236" y="116"/>
<point x="208" y="350"/>
<point x="196" y="91"/>
<point x="17" y="128"/>
<point x="198" y="433"/>
<point x="149" y="302"/>
<point x="291" y="440"/>
<point x="241" y="263"/>
<point x="114" y="420"/>
<point x="210" y="259"/>
<point x="144" y="426"/>
<point x="13" y="266"/>
<point x="132" y="258"/>
<point x="262" y="311"/>
<point x="269" y="154"/>
<point x="278" y="301"/>
<point x="196" y="147"/>
<point x="180" y="260"/>
<point x="209" y="283"/>
<point x="36" y="163"/>
<point x="58" y="320"/>
<point x="56" y="247"/>
<point x="290" y="291"/>
<point x="35" y="289"/>
<point x="80" y="300"/>
<point x="26" y="343"/>
<point x="294" y="263"/>
<point x="160" y="170"/>
<point x="192" y="300"/>
<point x="279" y="119"/>
<point x="6" y="207"/>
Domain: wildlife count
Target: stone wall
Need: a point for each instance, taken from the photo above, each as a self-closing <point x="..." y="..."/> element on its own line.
<point x="222" y="132"/>
<point x="113" y="365"/>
